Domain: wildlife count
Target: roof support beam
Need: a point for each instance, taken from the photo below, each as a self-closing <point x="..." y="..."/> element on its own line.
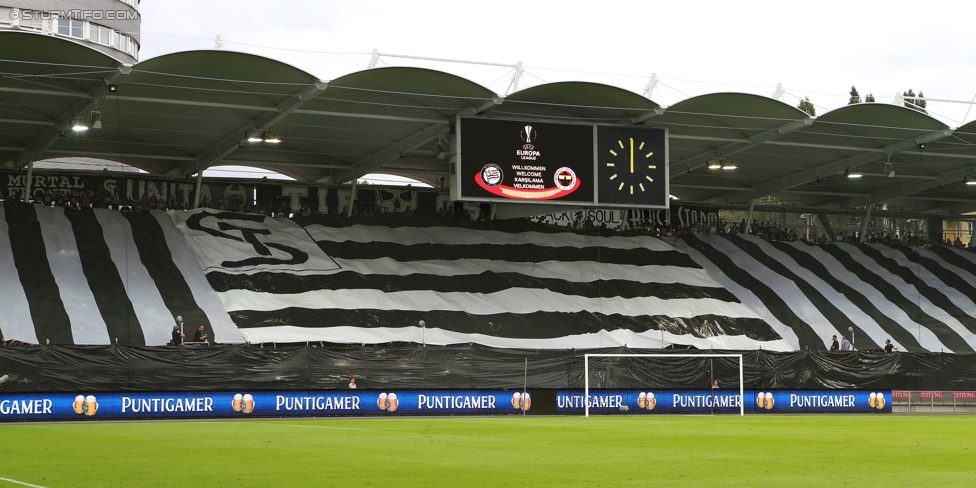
<point x="46" y="139"/>
<point x="38" y="91"/>
<point x="640" y="119"/>
<point x="697" y="161"/>
<point x="833" y="167"/>
<point x="488" y="105"/>
<point x="390" y="153"/>
<point x="231" y="142"/>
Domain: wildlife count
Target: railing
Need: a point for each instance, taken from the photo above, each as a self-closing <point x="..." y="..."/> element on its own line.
<point x="933" y="401"/>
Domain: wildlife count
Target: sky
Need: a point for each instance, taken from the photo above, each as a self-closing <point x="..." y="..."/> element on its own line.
<point x="815" y="49"/>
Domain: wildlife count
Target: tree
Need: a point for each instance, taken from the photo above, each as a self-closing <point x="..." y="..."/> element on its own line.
<point x="807" y="106"/>
<point x="914" y="103"/>
<point x="855" y="97"/>
<point x="869" y="98"/>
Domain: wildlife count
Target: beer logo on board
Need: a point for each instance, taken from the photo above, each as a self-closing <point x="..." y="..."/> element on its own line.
<point x="388" y="402"/>
<point x="764" y="400"/>
<point x="646" y="400"/>
<point x="521" y="401"/>
<point x="243" y="403"/>
<point x="85" y="405"/>
<point x="876" y="400"/>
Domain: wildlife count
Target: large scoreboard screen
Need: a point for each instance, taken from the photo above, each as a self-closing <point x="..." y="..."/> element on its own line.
<point x="572" y="164"/>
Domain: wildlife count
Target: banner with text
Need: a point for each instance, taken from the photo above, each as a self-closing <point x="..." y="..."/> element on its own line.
<point x="61" y="406"/>
<point x="647" y="401"/>
<point x="677" y="215"/>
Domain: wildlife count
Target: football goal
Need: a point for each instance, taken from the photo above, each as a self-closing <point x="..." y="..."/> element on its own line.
<point x="667" y="383"/>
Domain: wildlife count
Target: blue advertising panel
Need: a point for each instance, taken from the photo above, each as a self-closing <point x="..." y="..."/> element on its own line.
<point x="241" y="404"/>
<point x="55" y="406"/>
<point x="826" y="401"/>
<point x="647" y="401"/>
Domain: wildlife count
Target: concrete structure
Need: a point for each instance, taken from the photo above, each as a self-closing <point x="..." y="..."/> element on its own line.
<point x="109" y="26"/>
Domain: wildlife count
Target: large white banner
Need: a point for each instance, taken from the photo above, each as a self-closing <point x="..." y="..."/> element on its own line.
<point x="247" y="243"/>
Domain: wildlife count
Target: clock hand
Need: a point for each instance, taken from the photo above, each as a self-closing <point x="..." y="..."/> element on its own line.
<point x="631" y="154"/>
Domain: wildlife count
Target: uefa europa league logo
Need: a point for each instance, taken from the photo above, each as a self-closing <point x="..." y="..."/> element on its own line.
<point x="528" y="135"/>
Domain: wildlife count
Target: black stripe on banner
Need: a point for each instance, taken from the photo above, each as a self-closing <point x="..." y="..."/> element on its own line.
<point x="952" y="257"/>
<point x="537" y="325"/>
<point x="158" y="260"/>
<point x="933" y="295"/>
<point x="396" y="220"/>
<point x="104" y="279"/>
<point x="808" y="339"/>
<point x="516" y="253"/>
<point x="893" y="328"/>
<point x="949" y="337"/>
<point x="51" y="321"/>
<point x="487" y="282"/>
<point x="946" y="276"/>
<point x="837" y="319"/>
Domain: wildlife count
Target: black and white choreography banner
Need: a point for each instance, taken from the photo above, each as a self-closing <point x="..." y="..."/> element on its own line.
<point x="100" y="277"/>
<point x="520" y="288"/>
<point x="920" y="299"/>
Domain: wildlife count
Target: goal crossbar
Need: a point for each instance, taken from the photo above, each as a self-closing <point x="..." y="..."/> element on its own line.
<point x="586" y="373"/>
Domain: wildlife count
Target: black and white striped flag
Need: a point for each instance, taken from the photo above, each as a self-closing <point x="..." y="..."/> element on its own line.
<point x="920" y="299"/>
<point x="515" y="285"/>
<point x="101" y="277"/>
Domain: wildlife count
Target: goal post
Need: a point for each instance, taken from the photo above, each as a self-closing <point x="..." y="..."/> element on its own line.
<point x="586" y="372"/>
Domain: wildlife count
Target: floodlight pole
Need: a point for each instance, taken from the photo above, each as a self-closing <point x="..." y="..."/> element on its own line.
<point x="196" y="194"/>
<point x="27" y="184"/>
<point x="525" y="383"/>
<point x="586" y="385"/>
<point x="352" y="197"/>
<point x="742" y="392"/>
<point x="752" y="206"/>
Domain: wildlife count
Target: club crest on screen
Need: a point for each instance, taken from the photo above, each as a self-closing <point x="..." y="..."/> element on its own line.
<point x="565" y="178"/>
<point x="492" y="175"/>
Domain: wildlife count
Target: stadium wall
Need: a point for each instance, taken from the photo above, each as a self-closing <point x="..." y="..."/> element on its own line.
<point x="95" y="369"/>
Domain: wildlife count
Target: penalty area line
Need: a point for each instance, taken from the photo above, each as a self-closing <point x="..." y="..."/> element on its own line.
<point x="22" y="483"/>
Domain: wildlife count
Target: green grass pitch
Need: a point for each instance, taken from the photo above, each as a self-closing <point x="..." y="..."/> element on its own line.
<point x="665" y="451"/>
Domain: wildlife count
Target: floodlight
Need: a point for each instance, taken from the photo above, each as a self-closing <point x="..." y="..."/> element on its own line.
<point x="971" y="180"/>
<point x="271" y="138"/>
<point x="715" y="164"/>
<point x="852" y="172"/>
<point x="729" y="164"/>
<point x="79" y="125"/>
<point x="255" y="137"/>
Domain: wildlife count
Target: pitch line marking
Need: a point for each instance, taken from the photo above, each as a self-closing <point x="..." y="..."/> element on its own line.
<point x="8" y="480"/>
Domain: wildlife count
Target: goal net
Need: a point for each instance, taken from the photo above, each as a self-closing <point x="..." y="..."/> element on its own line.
<point x="663" y="383"/>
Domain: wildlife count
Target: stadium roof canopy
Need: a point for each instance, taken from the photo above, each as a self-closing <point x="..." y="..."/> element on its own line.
<point x="180" y="113"/>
